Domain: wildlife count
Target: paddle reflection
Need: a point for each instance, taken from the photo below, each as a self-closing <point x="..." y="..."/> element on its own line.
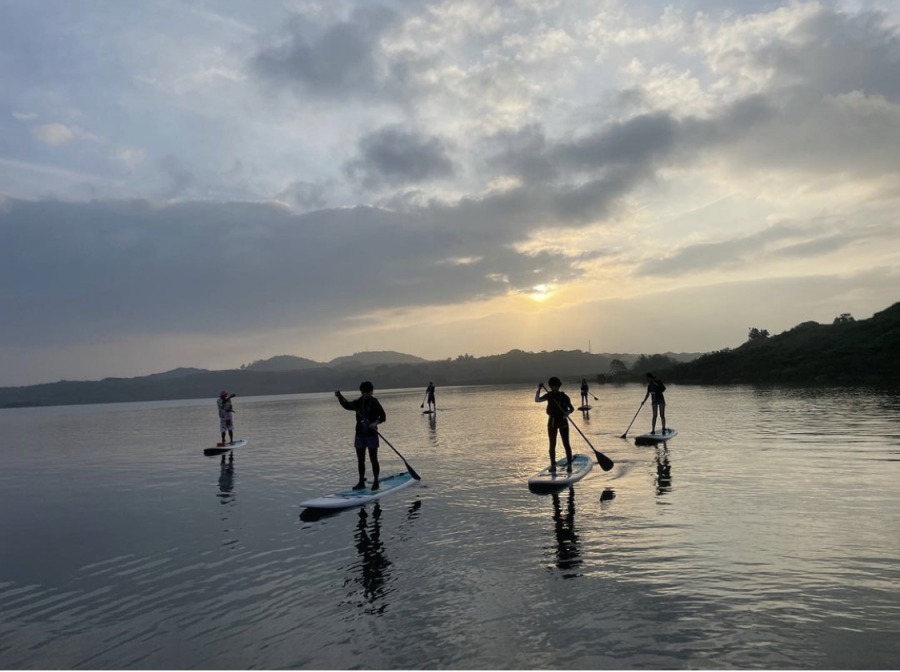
<point x="568" y="554"/>
<point x="663" y="470"/>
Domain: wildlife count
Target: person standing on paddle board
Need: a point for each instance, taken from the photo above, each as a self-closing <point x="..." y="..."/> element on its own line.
<point x="226" y="422"/>
<point x="369" y="414"/>
<point x="584" y="392"/>
<point x="558" y="408"/>
<point x="655" y="389"/>
<point x="429" y="396"/>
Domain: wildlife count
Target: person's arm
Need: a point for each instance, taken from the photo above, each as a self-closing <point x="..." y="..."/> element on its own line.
<point x="569" y="407"/>
<point x="537" y="395"/>
<point x="343" y="402"/>
<point x="382" y="416"/>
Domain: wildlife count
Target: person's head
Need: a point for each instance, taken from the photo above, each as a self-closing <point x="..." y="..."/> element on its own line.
<point x="366" y="387"/>
<point x="650" y="376"/>
<point x="554" y="383"/>
<point x="584" y="380"/>
<point x="430" y="383"/>
<point x="223" y="394"/>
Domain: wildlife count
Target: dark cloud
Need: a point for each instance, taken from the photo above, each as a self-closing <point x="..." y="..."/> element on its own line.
<point x="836" y="53"/>
<point x="344" y="59"/>
<point x="394" y="156"/>
<point x="86" y="271"/>
<point x="305" y="195"/>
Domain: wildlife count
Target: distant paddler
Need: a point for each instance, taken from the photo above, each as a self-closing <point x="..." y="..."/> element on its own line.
<point x="226" y="422"/>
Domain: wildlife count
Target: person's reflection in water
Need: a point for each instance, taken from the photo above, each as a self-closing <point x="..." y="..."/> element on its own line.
<point x="432" y="429"/>
<point x="568" y="555"/>
<point x="374" y="564"/>
<point x="663" y="470"/>
<point x="226" y="479"/>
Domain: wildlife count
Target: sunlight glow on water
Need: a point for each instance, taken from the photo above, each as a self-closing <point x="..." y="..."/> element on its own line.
<point x="764" y="535"/>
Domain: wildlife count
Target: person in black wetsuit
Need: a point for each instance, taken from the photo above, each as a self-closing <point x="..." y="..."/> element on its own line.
<point x="584" y="392"/>
<point x="655" y="389"/>
<point x="558" y="408"/>
<point x="369" y="414"/>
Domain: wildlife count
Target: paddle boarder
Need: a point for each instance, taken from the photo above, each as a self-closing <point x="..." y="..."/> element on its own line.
<point x="369" y="414"/>
<point x="226" y="422"/>
<point x="655" y="389"/>
<point x="429" y="396"/>
<point x="558" y="408"/>
<point x="584" y="392"/>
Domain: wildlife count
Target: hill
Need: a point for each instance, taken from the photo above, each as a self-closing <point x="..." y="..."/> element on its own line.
<point x="376" y="357"/>
<point x="282" y="363"/>
<point x="844" y="353"/>
<point x="288" y="375"/>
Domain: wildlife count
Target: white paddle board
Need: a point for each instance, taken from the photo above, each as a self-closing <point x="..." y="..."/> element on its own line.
<point x="225" y="447"/>
<point x="344" y="499"/>
<point x="656" y="437"/>
<point x="581" y="465"/>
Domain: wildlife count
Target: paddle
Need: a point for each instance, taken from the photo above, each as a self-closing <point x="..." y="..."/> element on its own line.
<point x="422" y="405"/>
<point x="592" y="394"/>
<point x="634" y="418"/>
<point x="412" y="472"/>
<point x="605" y="463"/>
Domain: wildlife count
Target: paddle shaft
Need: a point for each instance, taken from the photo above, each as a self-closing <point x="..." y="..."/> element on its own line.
<point x="412" y="472"/>
<point x="634" y="418"/>
<point x="605" y="463"/>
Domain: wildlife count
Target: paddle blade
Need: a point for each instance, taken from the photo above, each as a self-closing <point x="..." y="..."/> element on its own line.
<point x="605" y="463"/>
<point x="412" y="472"/>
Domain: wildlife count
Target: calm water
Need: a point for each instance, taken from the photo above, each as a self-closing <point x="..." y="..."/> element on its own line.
<point x="766" y="535"/>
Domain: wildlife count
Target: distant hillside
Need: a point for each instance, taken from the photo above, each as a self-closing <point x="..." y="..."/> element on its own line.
<point x="375" y="357"/>
<point x="264" y="377"/>
<point x="282" y="363"/>
<point x="858" y="352"/>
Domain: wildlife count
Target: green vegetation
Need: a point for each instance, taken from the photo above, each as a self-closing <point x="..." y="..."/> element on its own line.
<point x="846" y="352"/>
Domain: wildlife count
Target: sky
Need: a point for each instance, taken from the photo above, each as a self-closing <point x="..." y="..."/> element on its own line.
<point x="208" y="183"/>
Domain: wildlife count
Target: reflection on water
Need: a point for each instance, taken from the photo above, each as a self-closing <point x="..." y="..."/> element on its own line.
<point x="777" y="549"/>
<point x="663" y="469"/>
<point x="568" y="556"/>
<point x="373" y="565"/>
<point x="226" y="480"/>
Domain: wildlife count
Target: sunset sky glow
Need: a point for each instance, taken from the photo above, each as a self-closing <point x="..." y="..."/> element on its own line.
<point x="206" y="183"/>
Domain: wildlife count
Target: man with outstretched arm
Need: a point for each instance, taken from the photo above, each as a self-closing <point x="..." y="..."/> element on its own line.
<point x="369" y="414"/>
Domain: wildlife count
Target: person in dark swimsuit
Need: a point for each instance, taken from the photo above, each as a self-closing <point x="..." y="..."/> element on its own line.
<point x="584" y="392"/>
<point x="558" y="408"/>
<point x="369" y="414"/>
<point x="429" y="393"/>
<point x="655" y="389"/>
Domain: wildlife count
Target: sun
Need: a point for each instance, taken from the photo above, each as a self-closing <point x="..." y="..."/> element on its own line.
<point x="540" y="292"/>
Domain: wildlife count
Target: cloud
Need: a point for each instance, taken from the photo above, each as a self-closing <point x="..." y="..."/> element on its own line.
<point x="393" y="156"/>
<point x="56" y="134"/>
<point x="87" y="271"/>
<point x="343" y="59"/>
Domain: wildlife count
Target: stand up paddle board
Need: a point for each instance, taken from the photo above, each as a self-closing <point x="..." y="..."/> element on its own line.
<point x="585" y="408"/>
<point x="345" y="499"/>
<point x="428" y="412"/>
<point x="656" y="437"/>
<point x="581" y="465"/>
<point x="224" y="447"/>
